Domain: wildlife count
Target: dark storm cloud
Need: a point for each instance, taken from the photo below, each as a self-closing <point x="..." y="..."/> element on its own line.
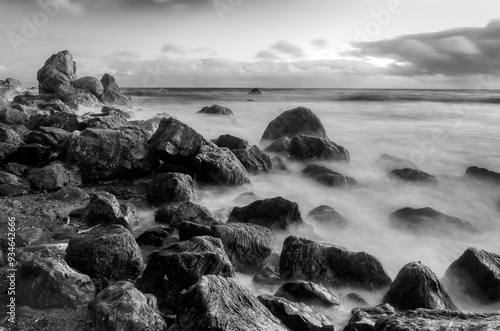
<point x="288" y="48"/>
<point x="455" y="52"/>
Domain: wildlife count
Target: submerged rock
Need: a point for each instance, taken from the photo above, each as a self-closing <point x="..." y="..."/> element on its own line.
<point x="255" y="91"/>
<point x="253" y="159"/>
<point x="309" y="293"/>
<point x="332" y="265"/>
<point x="304" y="147"/>
<point x="231" y="142"/>
<point x="59" y="69"/>
<point x="414" y="176"/>
<point x="328" y="177"/>
<point x="279" y="146"/>
<point x="388" y="162"/>
<point x="327" y="215"/>
<point x="216" y="110"/>
<point x="483" y="174"/>
<point x="170" y="187"/>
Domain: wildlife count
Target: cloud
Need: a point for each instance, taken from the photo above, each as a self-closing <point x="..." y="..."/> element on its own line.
<point x="287" y="48"/>
<point x="175" y="49"/>
<point x="267" y="55"/>
<point x="172" y="48"/>
<point x="320" y="43"/>
<point x="455" y="52"/>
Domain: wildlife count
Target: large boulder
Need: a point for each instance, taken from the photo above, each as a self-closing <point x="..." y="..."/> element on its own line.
<point x="308" y="293"/>
<point x="483" y="174"/>
<point x="121" y="306"/>
<point x="300" y="120"/>
<point x="219" y="166"/>
<point x="111" y="95"/>
<point x="295" y="315"/>
<point x="327" y="176"/>
<point x="413" y="176"/>
<point x="428" y="220"/>
<point x="106" y="252"/>
<point x="52" y="177"/>
<point x="304" y="147"/>
<point x="170" y="187"/>
<point x="89" y="84"/>
<point x="59" y="69"/>
<point x="62" y="120"/>
<point x="47" y="282"/>
<point x="476" y="273"/>
<point x="217" y="303"/>
<point x="275" y="213"/>
<point x="253" y="159"/>
<point x="330" y="264"/>
<point x="416" y="286"/>
<point x="364" y="319"/>
<point x="103" y="154"/>
<point x="177" y="267"/>
<point x="216" y="110"/>
<point x="104" y="209"/>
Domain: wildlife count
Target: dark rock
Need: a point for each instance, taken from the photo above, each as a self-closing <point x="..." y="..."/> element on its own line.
<point x="17" y="169"/>
<point x="483" y="174"/>
<point x="47" y="136"/>
<point x="413" y="176"/>
<point x="34" y="100"/>
<point x="111" y="111"/>
<point x="165" y="214"/>
<point x="217" y="303"/>
<point x="328" y="216"/>
<point x="300" y="120"/>
<point x="89" y="84"/>
<point x="219" y="166"/>
<point x="112" y="95"/>
<point x="54" y="106"/>
<point x="388" y="162"/>
<point x="8" y="178"/>
<point x="66" y="121"/>
<point x="255" y="91"/>
<point x="52" y="177"/>
<point x="70" y="194"/>
<point x="428" y="220"/>
<point x="83" y="100"/>
<point x="121" y="306"/>
<point x="355" y="300"/>
<point x="476" y="273"/>
<point x="109" y="252"/>
<point x="308" y="293"/>
<point x="127" y="193"/>
<point x="191" y="212"/>
<point x="59" y="69"/>
<point x="268" y="276"/>
<point x="110" y="154"/>
<point x="332" y="265"/>
<point x="231" y="142"/>
<point x="327" y="176"/>
<point x="9" y="136"/>
<point x="170" y="187"/>
<point x="304" y="147"/>
<point x="296" y="316"/>
<point x="44" y="283"/>
<point x="104" y="209"/>
<point x="13" y="116"/>
<point x="276" y="214"/>
<point x="154" y="237"/>
<point x="216" y="110"/>
<point x="32" y="154"/>
<point x="11" y="190"/>
<point x="279" y="146"/>
<point x="188" y="230"/>
<point x="179" y="266"/>
<point x="253" y="159"/>
<point x="364" y="319"/>
<point x="106" y="122"/>
<point x="416" y="286"/>
<point x="36" y="121"/>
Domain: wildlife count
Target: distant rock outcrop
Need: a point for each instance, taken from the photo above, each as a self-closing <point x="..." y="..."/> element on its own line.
<point x="483" y="174"/>
<point x="255" y="91"/>
<point x="216" y="110"/>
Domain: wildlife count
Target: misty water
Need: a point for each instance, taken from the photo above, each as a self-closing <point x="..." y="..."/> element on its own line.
<point x="443" y="132"/>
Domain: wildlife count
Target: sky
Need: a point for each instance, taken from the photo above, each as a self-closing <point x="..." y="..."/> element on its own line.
<point x="259" y="43"/>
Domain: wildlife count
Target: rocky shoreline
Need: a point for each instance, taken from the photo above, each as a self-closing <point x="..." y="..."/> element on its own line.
<point x="75" y="183"/>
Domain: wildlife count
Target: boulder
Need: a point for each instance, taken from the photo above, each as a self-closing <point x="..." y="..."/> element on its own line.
<point x="170" y="187"/>
<point x="327" y="215"/>
<point x="12" y="116"/>
<point x="483" y="174"/>
<point x="309" y="293"/>
<point x="32" y="154"/>
<point x="231" y="142"/>
<point x="413" y="176"/>
<point x="276" y="214"/>
<point x="389" y="163"/>
<point x="268" y="276"/>
<point x="154" y="237"/>
<point x="89" y="84"/>
<point x="219" y="166"/>
<point x="296" y="316"/>
<point x="476" y="273"/>
<point x="416" y="286"/>
<point x="121" y="306"/>
<point x="165" y="214"/>
<point x="300" y="120"/>
<point x="428" y="220"/>
<point x="52" y="177"/>
<point x="58" y="69"/>
<point x="217" y="303"/>
<point x="364" y="319"/>
<point x="106" y="121"/>
<point x="194" y="213"/>
<point x="9" y="136"/>
<point x="255" y="91"/>
<point x="177" y="267"/>
<point x="216" y="110"/>
<point x="66" y="121"/>
<point x="104" y="209"/>
<point x="103" y="154"/>
<point x="70" y="194"/>
<point x="327" y="176"/>
<point x="188" y="230"/>
<point x="112" y="111"/>
<point x="82" y="100"/>
<point x="304" y="147"/>
<point x="106" y="252"/>
<point x="46" y="282"/>
<point x="279" y="146"/>
<point x="331" y="265"/>
<point x="47" y="136"/>
<point x="253" y="159"/>
<point x="111" y="95"/>
<point x="354" y="300"/>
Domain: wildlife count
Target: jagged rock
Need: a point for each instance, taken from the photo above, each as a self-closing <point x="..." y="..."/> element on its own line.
<point x="47" y="136"/>
<point x="154" y="237"/>
<point x="231" y="142"/>
<point x="44" y="283"/>
<point x="279" y="146"/>
<point x="255" y="91"/>
<point x="31" y="236"/>
<point x="438" y="320"/>
<point x="177" y="267"/>
<point x="52" y="177"/>
<point x="9" y="136"/>
<point x="364" y="319"/>
<point x="296" y="316"/>
<point x="219" y="166"/>
<point x="8" y="178"/>
<point x="32" y="154"/>
<point x="121" y="306"/>
<point x="388" y="162"/>
<point x="253" y="159"/>
<point x="300" y="120"/>
<point x="70" y="194"/>
<point x="110" y="154"/>
<point x="328" y="216"/>
<point x="483" y="174"/>
<point x="304" y="147"/>
<point x="416" y="286"/>
<point x="58" y="69"/>
<point x="276" y="214"/>
<point x="328" y="177"/>
<point x="332" y="265"/>
<point x="106" y="121"/>
<point x="83" y="100"/>
<point x="308" y="293"/>
<point x="476" y="273"/>
<point x="104" y="209"/>
<point x="188" y="230"/>
<point x="268" y="276"/>
<point x="413" y="176"/>
<point x="89" y="84"/>
<point x="217" y="303"/>
<point x="216" y="110"/>
<point x="109" y="252"/>
<point x="176" y="142"/>
<point x="111" y="95"/>
<point x="66" y="121"/>
<point x="191" y="212"/>
<point x="13" y="116"/>
<point x="428" y="220"/>
<point x="170" y="187"/>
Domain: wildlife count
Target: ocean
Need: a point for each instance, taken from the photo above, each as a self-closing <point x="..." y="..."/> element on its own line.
<point x="442" y="131"/>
